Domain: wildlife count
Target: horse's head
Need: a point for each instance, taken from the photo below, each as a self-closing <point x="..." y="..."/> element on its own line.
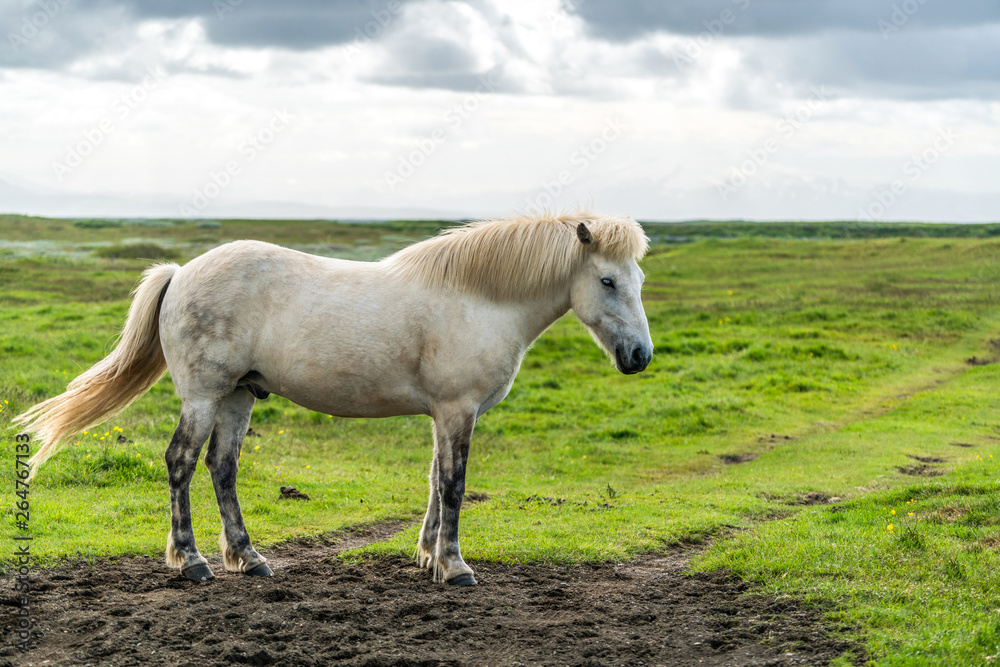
<point x="606" y="296"/>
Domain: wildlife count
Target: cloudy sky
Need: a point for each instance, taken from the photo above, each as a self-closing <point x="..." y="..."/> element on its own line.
<point x="668" y="110"/>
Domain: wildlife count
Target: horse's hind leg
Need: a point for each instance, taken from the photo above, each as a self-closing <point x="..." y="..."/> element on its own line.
<point x="197" y="419"/>
<point x="222" y="460"/>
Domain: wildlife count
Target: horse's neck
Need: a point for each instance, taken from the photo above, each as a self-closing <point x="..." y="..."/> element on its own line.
<point x="537" y="315"/>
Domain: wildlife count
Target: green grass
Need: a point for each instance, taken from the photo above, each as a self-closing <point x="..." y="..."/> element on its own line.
<point x="846" y="229"/>
<point x="824" y="365"/>
<point x="914" y="561"/>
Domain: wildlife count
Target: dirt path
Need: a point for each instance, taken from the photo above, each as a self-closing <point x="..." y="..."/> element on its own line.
<point x="318" y="611"/>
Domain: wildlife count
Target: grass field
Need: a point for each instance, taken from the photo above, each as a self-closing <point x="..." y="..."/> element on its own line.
<point x="787" y="373"/>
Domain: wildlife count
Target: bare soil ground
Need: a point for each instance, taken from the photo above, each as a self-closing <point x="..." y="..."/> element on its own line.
<point x="317" y="610"/>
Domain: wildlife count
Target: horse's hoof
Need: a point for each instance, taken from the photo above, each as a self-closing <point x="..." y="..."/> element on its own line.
<point x="463" y="580"/>
<point x="199" y="572"/>
<point x="261" y="570"/>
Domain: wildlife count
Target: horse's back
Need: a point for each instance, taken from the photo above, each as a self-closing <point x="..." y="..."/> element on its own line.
<point x="226" y="293"/>
<point x="328" y="334"/>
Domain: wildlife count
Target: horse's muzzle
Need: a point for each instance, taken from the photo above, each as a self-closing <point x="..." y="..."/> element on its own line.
<point x="635" y="360"/>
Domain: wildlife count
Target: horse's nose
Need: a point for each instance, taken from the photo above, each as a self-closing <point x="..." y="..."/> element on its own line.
<point x="640" y="358"/>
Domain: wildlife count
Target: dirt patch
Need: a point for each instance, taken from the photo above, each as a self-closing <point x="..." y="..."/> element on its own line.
<point x="950" y="514"/>
<point x="926" y="459"/>
<point x="989" y="542"/>
<point x="775" y="437"/>
<point x="291" y="493"/>
<point x="732" y="459"/>
<point x="815" y="498"/>
<point x="962" y="444"/>
<point x="994" y="345"/>
<point x="544" y="500"/>
<point x="317" y="610"/>
<point x="922" y="470"/>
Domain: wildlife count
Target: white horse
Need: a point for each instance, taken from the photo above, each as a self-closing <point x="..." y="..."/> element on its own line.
<point x="437" y="329"/>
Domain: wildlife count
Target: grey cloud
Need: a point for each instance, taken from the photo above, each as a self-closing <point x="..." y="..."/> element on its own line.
<point x="83" y="27"/>
<point x="915" y="65"/>
<point x="419" y="56"/>
<point x="624" y="20"/>
<point x="290" y="24"/>
<point x="293" y="24"/>
<point x="36" y="37"/>
<point x="921" y="50"/>
<point x="433" y="50"/>
<point x="417" y="61"/>
<point x="432" y="55"/>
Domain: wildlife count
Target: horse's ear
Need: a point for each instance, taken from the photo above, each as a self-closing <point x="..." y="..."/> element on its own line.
<point x="583" y="234"/>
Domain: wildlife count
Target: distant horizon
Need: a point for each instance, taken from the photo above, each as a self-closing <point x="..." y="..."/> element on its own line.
<point x="461" y="219"/>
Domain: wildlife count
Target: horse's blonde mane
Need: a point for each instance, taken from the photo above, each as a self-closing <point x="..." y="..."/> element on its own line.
<point x="513" y="258"/>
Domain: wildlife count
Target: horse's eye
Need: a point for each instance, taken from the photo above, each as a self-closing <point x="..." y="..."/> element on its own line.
<point x="608" y="282"/>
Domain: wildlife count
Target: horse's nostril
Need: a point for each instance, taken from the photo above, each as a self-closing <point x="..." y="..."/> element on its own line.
<point x="640" y="358"/>
<point x="631" y="361"/>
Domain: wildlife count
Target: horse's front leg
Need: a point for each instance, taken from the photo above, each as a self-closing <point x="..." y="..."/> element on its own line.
<point x="452" y="434"/>
<point x="432" y="520"/>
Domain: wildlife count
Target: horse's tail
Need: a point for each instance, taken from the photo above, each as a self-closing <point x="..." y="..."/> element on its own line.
<point x="110" y="385"/>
